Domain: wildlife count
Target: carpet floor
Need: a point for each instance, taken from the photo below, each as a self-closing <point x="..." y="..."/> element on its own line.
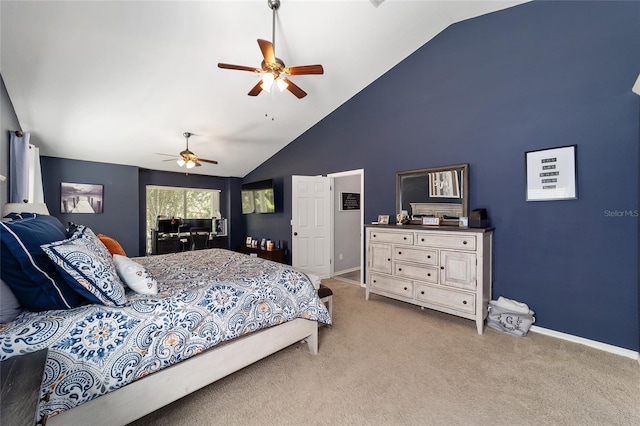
<point x="386" y="362"/>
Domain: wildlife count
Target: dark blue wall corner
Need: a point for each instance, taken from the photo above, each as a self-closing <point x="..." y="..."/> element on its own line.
<point x="484" y="92"/>
<point x="120" y="185"/>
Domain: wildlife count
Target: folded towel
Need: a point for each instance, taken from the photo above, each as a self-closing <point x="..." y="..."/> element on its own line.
<point x="512" y="305"/>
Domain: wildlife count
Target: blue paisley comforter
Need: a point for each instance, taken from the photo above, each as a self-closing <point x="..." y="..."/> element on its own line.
<point x="205" y="297"/>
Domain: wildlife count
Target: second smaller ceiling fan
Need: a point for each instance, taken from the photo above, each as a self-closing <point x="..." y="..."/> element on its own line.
<point x="187" y="158"/>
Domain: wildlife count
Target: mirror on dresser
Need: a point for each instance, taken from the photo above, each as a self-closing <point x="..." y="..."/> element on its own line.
<point x="436" y="192"/>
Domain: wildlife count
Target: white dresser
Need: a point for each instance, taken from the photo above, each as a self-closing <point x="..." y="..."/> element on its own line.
<point x="443" y="268"/>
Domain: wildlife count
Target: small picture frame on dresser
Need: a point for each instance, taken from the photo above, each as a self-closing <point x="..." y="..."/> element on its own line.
<point x="383" y="219"/>
<point x="248" y="241"/>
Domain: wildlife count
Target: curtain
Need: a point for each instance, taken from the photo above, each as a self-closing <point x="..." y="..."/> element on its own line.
<point x="25" y="176"/>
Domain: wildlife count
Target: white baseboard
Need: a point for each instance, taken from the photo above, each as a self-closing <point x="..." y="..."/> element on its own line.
<point x="346" y="271"/>
<point x="591" y="343"/>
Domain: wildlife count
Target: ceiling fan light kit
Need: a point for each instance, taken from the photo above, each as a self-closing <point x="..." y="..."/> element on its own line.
<point x="273" y="69"/>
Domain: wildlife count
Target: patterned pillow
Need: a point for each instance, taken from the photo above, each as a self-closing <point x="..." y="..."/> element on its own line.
<point x="135" y="276"/>
<point x="27" y="270"/>
<point x="88" y="267"/>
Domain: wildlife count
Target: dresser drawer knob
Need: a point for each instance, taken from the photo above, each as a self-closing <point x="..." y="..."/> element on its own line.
<point x="405" y="238"/>
<point x="405" y="288"/>
<point x="464" y="302"/>
<point x="399" y="252"/>
<point x="400" y="269"/>
<point x="374" y="235"/>
<point x="464" y="242"/>
<point x="388" y="259"/>
<point x="422" y="292"/>
<point x="375" y="281"/>
<point x="422" y="239"/>
<point x="442" y="267"/>
<point x="429" y="274"/>
<point x="428" y="256"/>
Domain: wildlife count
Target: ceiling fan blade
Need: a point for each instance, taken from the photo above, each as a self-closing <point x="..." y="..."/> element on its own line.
<point x="267" y="51"/>
<point x="207" y="161"/>
<point x="256" y="89"/>
<point x="172" y="159"/>
<point x="168" y="155"/>
<point x="304" y="70"/>
<point x="297" y="91"/>
<point x="238" y="67"/>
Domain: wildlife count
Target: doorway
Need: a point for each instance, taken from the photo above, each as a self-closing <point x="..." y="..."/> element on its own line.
<point x="347" y="243"/>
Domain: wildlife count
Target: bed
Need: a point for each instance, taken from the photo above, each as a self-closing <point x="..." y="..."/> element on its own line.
<point x="194" y="318"/>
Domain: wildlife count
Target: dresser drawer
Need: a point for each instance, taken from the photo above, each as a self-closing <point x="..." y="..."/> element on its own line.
<point x="425" y="256"/>
<point x="391" y="285"/>
<point x="461" y="242"/>
<point x="453" y="299"/>
<point x="391" y="237"/>
<point x="416" y="272"/>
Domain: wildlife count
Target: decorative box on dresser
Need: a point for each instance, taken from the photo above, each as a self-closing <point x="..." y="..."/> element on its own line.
<point x="448" y="269"/>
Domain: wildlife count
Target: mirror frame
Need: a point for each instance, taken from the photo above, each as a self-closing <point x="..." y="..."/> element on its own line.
<point x="464" y="181"/>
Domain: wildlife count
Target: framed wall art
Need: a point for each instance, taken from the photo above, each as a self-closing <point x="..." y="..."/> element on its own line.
<point x="552" y="174"/>
<point x="81" y="198"/>
<point x="349" y="201"/>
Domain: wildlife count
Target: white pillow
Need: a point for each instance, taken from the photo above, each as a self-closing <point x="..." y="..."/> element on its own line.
<point x="135" y="276"/>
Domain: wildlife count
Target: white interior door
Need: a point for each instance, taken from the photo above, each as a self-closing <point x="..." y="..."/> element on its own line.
<point x="311" y="224"/>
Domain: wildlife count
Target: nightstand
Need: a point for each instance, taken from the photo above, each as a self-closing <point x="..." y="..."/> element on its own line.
<point x="21" y="381"/>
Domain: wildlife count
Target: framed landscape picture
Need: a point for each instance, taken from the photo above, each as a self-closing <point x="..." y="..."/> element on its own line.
<point x="81" y="198"/>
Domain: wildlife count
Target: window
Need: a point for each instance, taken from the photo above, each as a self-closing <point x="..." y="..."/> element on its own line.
<point x="185" y="203"/>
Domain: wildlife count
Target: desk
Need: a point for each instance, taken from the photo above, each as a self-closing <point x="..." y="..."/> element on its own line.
<point x="277" y="255"/>
<point x="21" y="381"/>
<point x="170" y="243"/>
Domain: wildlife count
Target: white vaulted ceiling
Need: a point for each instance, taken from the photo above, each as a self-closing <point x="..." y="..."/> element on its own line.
<point x="119" y="81"/>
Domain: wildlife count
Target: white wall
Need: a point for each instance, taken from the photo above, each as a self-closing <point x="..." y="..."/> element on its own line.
<point x="346" y="227"/>
<point x="9" y="123"/>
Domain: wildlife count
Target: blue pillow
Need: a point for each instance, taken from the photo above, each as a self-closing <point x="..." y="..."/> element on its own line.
<point x="28" y="271"/>
<point x="88" y="267"/>
<point x="9" y="306"/>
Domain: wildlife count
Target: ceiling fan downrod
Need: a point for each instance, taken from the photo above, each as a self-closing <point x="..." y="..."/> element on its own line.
<point x="273" y="5"/>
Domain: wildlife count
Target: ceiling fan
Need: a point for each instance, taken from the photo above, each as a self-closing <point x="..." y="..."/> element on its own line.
<point x="188" y="158"/>
<point x="273" y="69"/>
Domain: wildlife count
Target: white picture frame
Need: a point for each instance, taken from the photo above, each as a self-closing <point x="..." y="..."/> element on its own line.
<point x="551" y="174"/>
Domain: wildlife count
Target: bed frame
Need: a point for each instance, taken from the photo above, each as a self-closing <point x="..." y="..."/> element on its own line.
<point x="152" y="392"/>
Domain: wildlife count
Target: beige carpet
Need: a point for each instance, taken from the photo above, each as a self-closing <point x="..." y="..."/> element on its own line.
<point x="389" y="363"/>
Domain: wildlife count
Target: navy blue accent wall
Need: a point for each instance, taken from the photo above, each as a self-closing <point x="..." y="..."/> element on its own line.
<point x="124" y="197"/>
<point x="161" y="178"/>
<point x="120" y="184"/>
<point x="483" y="92"/>
<point x="236" y="223"/>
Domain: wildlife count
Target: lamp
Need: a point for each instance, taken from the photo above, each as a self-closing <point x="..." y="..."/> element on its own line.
<point x="269" y="78"/>
<point x="180" y="162"/>
<point x="267" y="82"/>
<point x="636" y="87"/>
<point x="282" y="84"/>
<point x="191" y="164"/>
<point x="40" y="208"/>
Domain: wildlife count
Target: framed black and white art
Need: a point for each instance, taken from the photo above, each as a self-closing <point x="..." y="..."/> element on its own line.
<point x="551" y="174"/>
